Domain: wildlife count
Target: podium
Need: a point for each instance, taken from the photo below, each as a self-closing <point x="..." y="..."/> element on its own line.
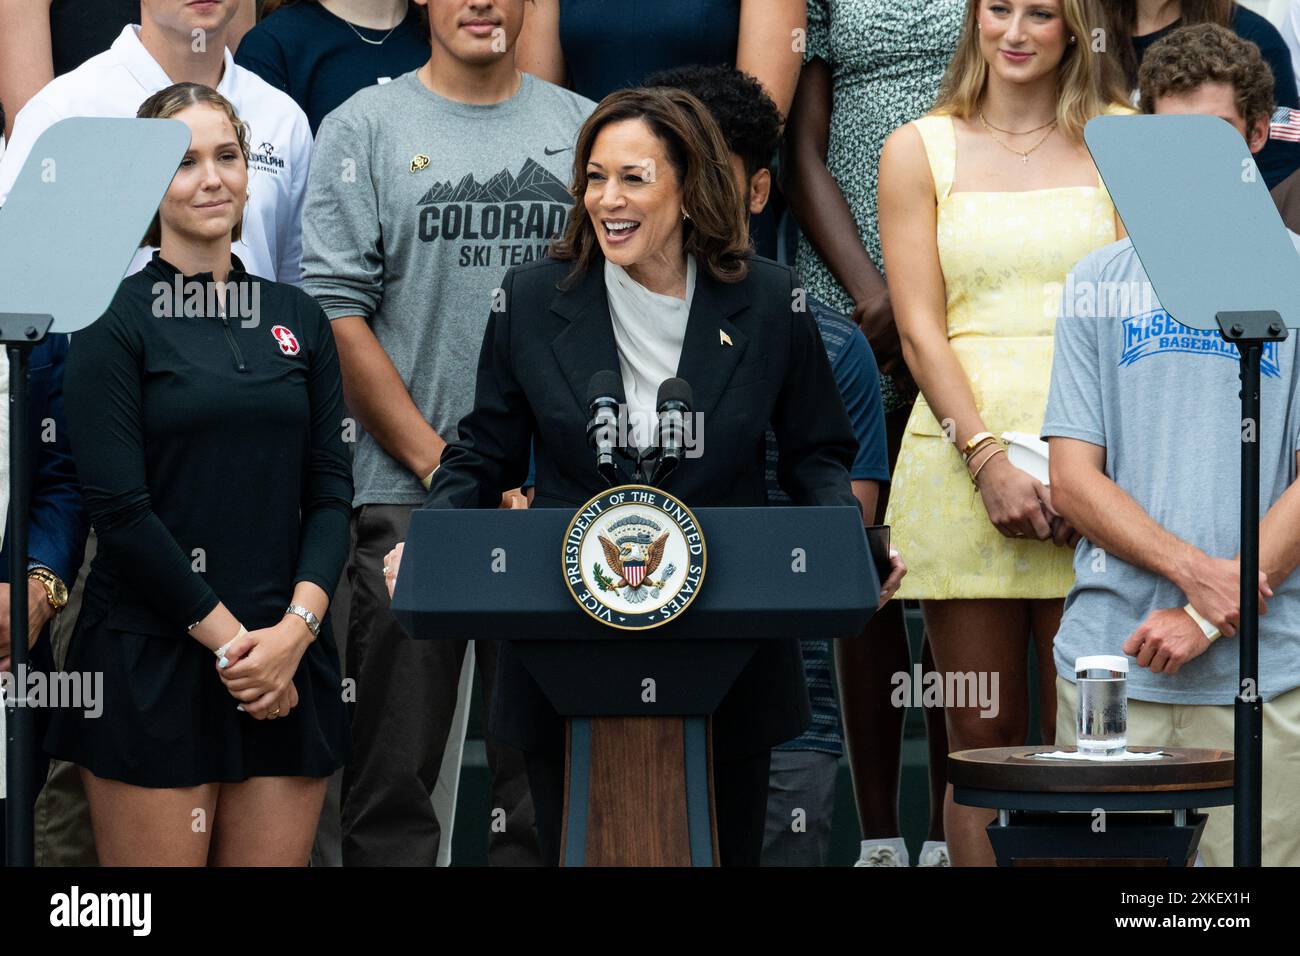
<point x="638" y="789"/>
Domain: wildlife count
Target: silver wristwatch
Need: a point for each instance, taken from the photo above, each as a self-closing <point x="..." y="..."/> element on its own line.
<point x="313" y="622"/>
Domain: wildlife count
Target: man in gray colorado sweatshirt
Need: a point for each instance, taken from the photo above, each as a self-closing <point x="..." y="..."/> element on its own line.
<point x="422" y="192"/>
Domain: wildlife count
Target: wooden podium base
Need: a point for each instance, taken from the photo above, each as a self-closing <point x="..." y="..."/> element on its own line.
<point x="638" y="792"/>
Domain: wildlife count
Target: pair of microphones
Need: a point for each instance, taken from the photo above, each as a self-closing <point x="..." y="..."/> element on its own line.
<point x="672" y="406"/>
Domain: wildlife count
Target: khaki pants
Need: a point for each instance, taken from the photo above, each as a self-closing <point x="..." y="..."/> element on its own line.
<point x="1151" y="724"/>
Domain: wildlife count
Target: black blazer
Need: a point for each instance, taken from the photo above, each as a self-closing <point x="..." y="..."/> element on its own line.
<point x="539" y="355"/>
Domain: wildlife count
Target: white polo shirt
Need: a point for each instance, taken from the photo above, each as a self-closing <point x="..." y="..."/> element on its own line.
<point x="117" y="81"/>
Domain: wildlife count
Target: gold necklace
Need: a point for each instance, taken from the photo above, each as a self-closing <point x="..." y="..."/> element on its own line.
<point x="1011" y="132"/>
<point x="1024" y="155"/>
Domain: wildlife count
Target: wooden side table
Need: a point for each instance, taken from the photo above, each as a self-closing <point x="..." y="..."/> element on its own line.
<point x="1090" y="813"/>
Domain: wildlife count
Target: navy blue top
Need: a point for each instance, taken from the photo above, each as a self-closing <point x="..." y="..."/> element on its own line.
<point x="1278" y="159"/>
<point x="858" y="380"/>
<point x="319" y="60"/>
<point x="80" y="29"/>
<point x="57" y="518"/>
<point x="610" y="44"/>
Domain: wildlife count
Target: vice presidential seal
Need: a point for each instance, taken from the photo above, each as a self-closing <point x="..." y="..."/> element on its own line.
<point x="634" y="557"/>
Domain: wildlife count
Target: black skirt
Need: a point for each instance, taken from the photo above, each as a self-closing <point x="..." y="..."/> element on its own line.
<point x="166" y="720"/>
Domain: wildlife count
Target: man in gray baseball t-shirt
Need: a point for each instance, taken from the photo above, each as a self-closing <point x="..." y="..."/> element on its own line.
<point x="423" y="192"/>
<point x="1144" y="425"/>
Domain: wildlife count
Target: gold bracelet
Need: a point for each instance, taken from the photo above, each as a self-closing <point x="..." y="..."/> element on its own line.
<point x="974" y="441"/>
<point x="984" y="443"/>
<point x="996" y="452"/>
<point x="994" y="446"/>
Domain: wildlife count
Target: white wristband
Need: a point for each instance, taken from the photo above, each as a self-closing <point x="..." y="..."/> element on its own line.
<point x="1211" y="632"/>
<point x="221" y="651"/>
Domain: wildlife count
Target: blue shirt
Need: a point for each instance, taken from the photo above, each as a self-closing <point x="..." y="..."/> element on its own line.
<point x="1163" y="401"/>
<point x="610" y="44"/>
<point x="320" y="59"/>
<point x="854" y="367"/>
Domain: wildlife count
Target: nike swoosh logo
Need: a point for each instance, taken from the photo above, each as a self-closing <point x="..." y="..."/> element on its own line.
<point x="552" y="152"/>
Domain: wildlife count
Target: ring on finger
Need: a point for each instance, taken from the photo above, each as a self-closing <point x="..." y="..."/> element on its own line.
<point x="273" y="714"/>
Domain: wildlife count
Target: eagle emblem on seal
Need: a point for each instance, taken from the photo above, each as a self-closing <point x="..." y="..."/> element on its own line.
<point x="633" y="554"/>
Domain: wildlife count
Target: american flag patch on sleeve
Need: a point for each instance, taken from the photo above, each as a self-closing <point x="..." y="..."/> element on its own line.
<point x="1285" y="125"/>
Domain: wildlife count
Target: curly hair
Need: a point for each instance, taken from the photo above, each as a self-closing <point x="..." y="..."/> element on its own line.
<point x="1190" y="57"/>
<point x="749" y="119"/>
<point x="716" y="233"/>
<point x="167" y="103"/>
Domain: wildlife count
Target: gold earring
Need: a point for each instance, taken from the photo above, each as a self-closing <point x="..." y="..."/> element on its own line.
<point x="686" y="216"/>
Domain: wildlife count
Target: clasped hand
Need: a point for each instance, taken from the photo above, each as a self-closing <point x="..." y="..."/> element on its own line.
<point x="1169" y="638"/>
<point x="1020" y="506"/>
<point x="260" y="667"/>
<point x="38" y="614"/>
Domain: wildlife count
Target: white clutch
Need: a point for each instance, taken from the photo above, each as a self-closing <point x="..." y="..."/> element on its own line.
<point x="1028" y="453"/>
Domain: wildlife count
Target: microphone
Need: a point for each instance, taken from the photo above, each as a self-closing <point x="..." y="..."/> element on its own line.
<point x="673" y="404"/>
<point x="602" y="431"/>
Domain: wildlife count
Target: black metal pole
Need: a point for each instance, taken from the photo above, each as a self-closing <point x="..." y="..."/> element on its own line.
<point x="1249" y="331"/>
<point x="19" y="719"/>
<point x="1249" y="717"/>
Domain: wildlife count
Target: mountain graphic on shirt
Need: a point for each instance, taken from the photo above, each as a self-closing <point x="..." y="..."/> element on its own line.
<point x="533" y="184"/>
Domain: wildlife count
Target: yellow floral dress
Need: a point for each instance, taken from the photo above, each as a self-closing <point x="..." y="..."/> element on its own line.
<point x="1005" y="256"/>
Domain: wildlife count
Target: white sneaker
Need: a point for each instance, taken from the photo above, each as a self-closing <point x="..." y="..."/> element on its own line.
<point x="934" y="853"/>
<point x="892" y="852"/>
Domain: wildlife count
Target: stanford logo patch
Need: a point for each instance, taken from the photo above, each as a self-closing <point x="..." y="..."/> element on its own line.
<point x="286" y="339"/>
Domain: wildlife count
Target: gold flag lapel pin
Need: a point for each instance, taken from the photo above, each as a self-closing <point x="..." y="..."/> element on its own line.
<point x="724" y="338"/>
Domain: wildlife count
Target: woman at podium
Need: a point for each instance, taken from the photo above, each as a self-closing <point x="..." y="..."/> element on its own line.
<point x="204" y="412"/>
<point x="654" y="278"/>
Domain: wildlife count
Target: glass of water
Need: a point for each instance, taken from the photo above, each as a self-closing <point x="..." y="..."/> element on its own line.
<point x="1102" y="723"/>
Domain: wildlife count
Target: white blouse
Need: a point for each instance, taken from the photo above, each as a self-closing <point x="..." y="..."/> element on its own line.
<point x="649" y="329"/>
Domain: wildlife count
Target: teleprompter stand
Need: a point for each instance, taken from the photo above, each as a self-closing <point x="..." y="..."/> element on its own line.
<point x="1248" y="331"/>
<point x="1218" y="256"/>
<point x="68" y="232"/>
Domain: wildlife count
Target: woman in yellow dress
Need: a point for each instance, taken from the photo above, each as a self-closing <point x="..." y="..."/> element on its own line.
<point x="986" y="203"/>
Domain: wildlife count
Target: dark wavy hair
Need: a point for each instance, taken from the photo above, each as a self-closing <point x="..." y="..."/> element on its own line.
<point x="716" y="233"/>
<point x="746" y="114"/>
